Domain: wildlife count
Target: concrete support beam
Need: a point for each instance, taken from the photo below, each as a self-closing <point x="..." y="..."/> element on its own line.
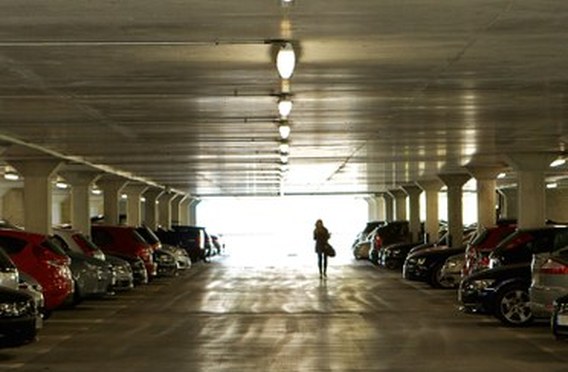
<point x="80" y="182"/>
<point x="530" y="169"/>
<point x="509" y="197"/>
<point x="165" y="209"/>
<point x="413" y="192"/>
<point x="193" y="211"/>
<point x="432" y="225"/>
<point x="112" y="187"/>
<point x="177" y="204"/>
<point x="134" y="203"/>
<point x="486" y="178"/>
<point x="151" y="205"/>
<point x="389" y="206"/>
<point x="184" y="211"/>
<point x="37" y="176"/>
<point x="400" y="203"/>
<point x="454" y="183"/>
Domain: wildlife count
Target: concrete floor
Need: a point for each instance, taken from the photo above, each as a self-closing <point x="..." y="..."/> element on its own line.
<point x="227" y="316"/>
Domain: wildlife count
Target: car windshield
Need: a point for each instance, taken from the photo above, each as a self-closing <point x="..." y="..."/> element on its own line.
<point x="480" y="236"/>
<point x="84" y="242"/>
<point x="148" y="235"/>
<point x="52" y="244"/>
<point x="5" y="260"/>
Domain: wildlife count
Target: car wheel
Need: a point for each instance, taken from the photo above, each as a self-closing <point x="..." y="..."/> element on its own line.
<point x="512" y="306"/>
<point x="391" y="264"/>
<point x="438" y="280"/>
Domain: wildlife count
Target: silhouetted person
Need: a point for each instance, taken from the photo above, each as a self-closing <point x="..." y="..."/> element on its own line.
<point x="321" y="236"/>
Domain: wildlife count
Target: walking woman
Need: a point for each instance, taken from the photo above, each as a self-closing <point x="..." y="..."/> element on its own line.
<point x="321" y="236"/>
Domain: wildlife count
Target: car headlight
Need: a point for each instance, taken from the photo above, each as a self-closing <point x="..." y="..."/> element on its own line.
<point x="494" y="262"/>
<point x="479" y="285"/>
<point x="16" y="309"/>
<point x="393" y="252"/>
<point x="421" y="261"/>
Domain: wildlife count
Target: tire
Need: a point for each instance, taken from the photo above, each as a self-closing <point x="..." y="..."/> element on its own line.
<point x="391" y="264"/>
<point x="512" y="306"/>
<point x="437" y="279"/>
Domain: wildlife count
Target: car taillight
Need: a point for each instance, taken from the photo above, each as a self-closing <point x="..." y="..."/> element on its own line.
<point x="553" y="267"/>
<point x="484" y="261"/>
<point x="378" y="241"/>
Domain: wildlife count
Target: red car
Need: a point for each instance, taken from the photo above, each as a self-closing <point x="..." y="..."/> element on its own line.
<point x="37" y="256"/>
<point x="124" y="240"/>
<point x="478" y="250"/>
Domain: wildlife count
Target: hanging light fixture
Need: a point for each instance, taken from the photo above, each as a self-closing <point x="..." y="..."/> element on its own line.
<point x="284" y="105"/>
<point x="284" y="129"/>
<point x="284" y="146"/>
<point x="558" y="162"/>
<point x="284" y="158"/>
<point x="286" y="61"/>
<point x="10" y="174"/>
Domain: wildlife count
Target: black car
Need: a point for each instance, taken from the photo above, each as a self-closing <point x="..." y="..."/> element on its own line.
<point x="190" y="238"/>
<point x="425" y="265"/>
<point x="502" y="291"/>
<point x="18" y="317"/>
<point x="520" y="246"/>
<point x="393" y="256"/>
<point x="385" y="235"/>
<point x="559" y="319"/>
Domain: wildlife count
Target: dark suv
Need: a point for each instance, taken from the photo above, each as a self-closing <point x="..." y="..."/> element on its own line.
<point x="392" y="232"/>
<point x="190" y="238"/>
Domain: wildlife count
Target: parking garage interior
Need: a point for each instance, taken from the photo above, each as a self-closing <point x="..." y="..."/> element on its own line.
<point x="254" y="119"/>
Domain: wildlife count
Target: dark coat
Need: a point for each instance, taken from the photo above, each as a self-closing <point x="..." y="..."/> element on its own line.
<point x="321" y="236"/>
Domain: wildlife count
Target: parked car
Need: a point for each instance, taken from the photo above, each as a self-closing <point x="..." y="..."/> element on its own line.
<point x="181" y="258"/>
<point x="549" y="281"/>
<point x="392" y="256"/>
<point x="91" y="277"/>
<point x="124" y="240"/>
<point x="190" y="238"/>
<point x="426" y="266"/>
<point x="390" y="233"/>
<point x="29" y="285"/>
<point x="501" y="291"/>
<point x="361" y="245"/>
<point x="451" y="273"/>
<point x="482" y="244"/>
<point x="9" y="274"/>
<point x="18" y="318"/>
<point x="559" y="318"/>
<point x="523" y="243"/>
<point x="36" y="255"/>
<point x="361" y="250"/>
<point x="121" y="271"/>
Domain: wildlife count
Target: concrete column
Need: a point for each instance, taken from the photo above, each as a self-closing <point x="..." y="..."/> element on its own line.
<point x="413" y="192"/>
<point x="80" y="182"/>
<point x="486" y="178"/>
<point x="165" y="209"/>
<point x="400" y="203"/>
<point x="454" y="183"/>
<point x="37" y="192"/>
<point x="380" y="207"/>
<point x="60" y="200"/>
<point x="510" y="199"/>
<point x="371" y="208"/>
<point x="134" y="204"/>
<point x="184" y="211"/>
<point x="531" y="187"/>
<point x="151" y="205"/>
<point x="432" y="226"/>
<point x="193" y="211"/>
<point x="176" y="209"/>
<point x="389" y="206"/>
<point x="112" y="188"/>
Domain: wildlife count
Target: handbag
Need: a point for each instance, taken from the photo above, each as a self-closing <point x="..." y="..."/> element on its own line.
<point x="328" y="250"/>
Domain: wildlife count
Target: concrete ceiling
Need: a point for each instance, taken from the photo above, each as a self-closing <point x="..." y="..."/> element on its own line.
<point x="182" y="94"/>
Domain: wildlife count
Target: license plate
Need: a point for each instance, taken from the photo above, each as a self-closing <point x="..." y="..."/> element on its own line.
<point x="562" y="320"/>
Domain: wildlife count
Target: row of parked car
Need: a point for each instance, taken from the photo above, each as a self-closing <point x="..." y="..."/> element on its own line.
<point x="516" y="275"/>
<point x="42" y="273"/>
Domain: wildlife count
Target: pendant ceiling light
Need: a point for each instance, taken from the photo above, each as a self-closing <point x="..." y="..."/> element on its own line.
<point x="284" y="129"/>
<point x="286" y="61"/>
<point x="284" y="106"/>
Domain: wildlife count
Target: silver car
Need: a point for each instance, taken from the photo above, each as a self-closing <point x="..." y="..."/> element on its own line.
<point x="9" y="274"/>
<point x="451" y="273"/>
<point x="549" y="281"/>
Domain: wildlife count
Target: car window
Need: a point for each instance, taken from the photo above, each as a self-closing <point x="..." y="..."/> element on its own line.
<point x="479" y="237"/>
<point x="53" y="245"/>
<point x="561" y="239"/>
<point x="84" y="242"/>
<point x="12" y="245"/>
<point x="101" y="237"/>
<point x="5" y="260"/>
<point x="138" y="238"/>
<point x="542" y="243"/>
<point x="61" y="243"/>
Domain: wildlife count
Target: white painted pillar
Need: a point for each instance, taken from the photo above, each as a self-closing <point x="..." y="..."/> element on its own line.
<point x="80" y="182"/>
<point x="37" y="192"/>
<point x="134" y="204"/>
<point x="177" y="209"/>
<point x="165" y="209"/>
<point x="454" y="183"/>
<point x="486" y="178"/>
<point x="371" y="208"/>
<point x="510" y="199"/>
<point x="112" y="187"/>
<point x="432" y="225"/>
<point x="400" y="203"/>
<point x="151" y="206"/>
<point x="184" y="211"/>
<point x="193" y="211"/>
<point x="380" y="208"/>
<point x="413" y="193"/>
<point x="389" y="206"/>
<point x="531" y="187"/>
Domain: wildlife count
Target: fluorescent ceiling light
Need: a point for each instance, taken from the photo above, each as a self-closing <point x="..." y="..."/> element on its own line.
<point x="284" y="130"/>
<point x="284" y="106"/>
<point x="286" y="61"/>
<point x="284" y="147"/>
<point x="558" y="162"/>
